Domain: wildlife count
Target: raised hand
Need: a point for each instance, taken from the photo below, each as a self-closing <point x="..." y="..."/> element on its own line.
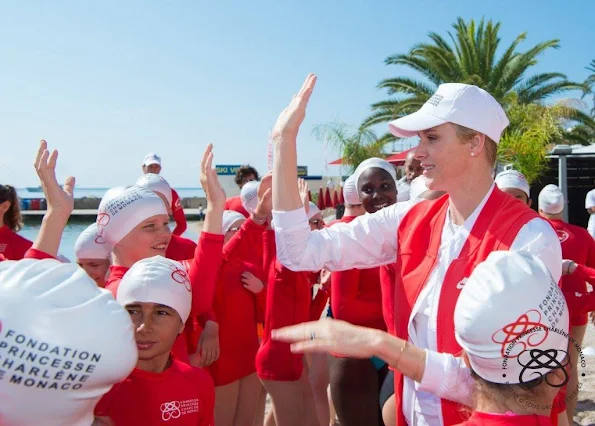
<point x="210" y="182"/>
<point x="265" y="196"/>
<point x="291" y="118"/>
<point x="303" y="188"/>
<point x="60" y="201"/>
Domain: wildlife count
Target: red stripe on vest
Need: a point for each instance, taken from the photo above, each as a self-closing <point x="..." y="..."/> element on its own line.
<point x="419" y="236"/>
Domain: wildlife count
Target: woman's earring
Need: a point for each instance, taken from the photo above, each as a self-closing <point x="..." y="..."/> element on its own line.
<point x="472" y="154"/>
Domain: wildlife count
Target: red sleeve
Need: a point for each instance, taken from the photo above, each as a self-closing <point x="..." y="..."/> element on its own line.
<point x="585" y="273"/>
<point x="204" y="271"/>
<point x="207" y="316"/>
<point x="207" y="392"/>
<point x="590" y="252"/>
<point x="268" y="251"/>
<point x="37" y="254"/>
<point x="345" y="303"/>
<point x="178" y="214"/>
<point x="242" y="245"/>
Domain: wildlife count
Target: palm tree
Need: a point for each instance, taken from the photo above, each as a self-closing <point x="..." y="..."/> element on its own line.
<point x="590" y="83"/>
<point x="355" y="145"/>
<point x="470" y="58"/>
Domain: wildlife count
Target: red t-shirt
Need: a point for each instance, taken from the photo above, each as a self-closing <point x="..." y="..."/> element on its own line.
<point x="577" y="245"/>
<point x="178" y="214"/>
<point x="12" y="245"/>
<point x="356" y="295"/>
<point x="180" y="248"/>
<point x="181" y="395"/>
<point x="235" y="204"/>
<point x="482" y="419"/>
<point x="236" y="307"/>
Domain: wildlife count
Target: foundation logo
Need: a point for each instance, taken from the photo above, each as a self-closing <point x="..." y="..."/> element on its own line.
<point x="562" y="235"/>
<point x="170" y="410"/>
<point x="102" y="221"/>
<point x="509" y="335"/>
<point x="435" y="100"/>
<point x="176" y="409"/>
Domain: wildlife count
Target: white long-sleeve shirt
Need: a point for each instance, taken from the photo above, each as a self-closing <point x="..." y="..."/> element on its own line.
<point x="371" y="240"/>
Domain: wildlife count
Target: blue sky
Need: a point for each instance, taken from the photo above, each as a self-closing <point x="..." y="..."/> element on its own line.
<point x="107" y="82"/>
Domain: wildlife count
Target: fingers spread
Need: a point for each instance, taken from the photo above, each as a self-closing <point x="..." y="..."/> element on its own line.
<point x="43" y="145"/>
<point x="69" y="185"/>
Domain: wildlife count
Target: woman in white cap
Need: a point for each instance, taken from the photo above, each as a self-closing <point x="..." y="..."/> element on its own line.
<point x="435" y="244"/>
<point x="156" y="292"/>
<point x="179" y="248"/>
<point x="47" y="312"/>
<point x="579" y="247"/>
<point x="511" y="322"/>
<point x="356" y="297"/>
<point x="94" y="258"/>
<point x="236" y="305"/>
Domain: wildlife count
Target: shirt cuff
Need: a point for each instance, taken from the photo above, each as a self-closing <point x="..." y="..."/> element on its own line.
<point x="207" y="236"/>
<point x="37" y="254"/>
<point x="446" y="377"/>
<point x="291" y="219"/>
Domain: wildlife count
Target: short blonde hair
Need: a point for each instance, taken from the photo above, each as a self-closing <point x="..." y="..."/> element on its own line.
<point x="490" y="147"/>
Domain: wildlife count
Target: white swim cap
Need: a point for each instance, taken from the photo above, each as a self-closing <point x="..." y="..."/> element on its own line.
<point x="513" y="179"/>
<point x="418" y="186"/>
<point x="313" y="210"/>
<point x="462" y="104"/>
<point x="229" y="218"/>
<point x="154" y="182"/>
<point x="511" y="309"/>
<point x="249" y="196"/>
<point x="551" y="199"/>
<point x="86" y="247"/>
<point x="374" y="163"/>
<point x="157" y="280"/>
<point x="64" y="343"/>
<point x="121" y="210"/>
<point x="350" y="194"/>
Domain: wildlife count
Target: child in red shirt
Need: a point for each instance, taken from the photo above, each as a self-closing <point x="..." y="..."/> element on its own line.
<point x="157" y="294"/>
<point x="12" y="245"/>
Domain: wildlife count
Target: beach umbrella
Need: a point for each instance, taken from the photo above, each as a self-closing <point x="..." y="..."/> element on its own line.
<point x="328" y="201"/>
<point x="321" y="199"/>
<point x="335" y="199"/>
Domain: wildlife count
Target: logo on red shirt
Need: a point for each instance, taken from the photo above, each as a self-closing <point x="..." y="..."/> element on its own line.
<point x="512" y="334"/>
<point x="170" y="410"/>
<point x="562" y="235"/>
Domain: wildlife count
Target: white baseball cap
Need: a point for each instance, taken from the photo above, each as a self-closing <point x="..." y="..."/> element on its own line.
<point x="122" y="209"/>
<point x="509" y="306"/>
<point x="551" y="199"/>
<point x="249" y="196"/>
<point x="371" y="163"/>
<point x="229" y="218"/>
<point x="86" y="247"/>
<point x="151" y="158"/>
<point x="74" y="334"/>
<point x="313" y="210"/>
<point x="417" y="187"/>
<point x="513" y="179"/>
<point x="457" y="103"/>
<point x="157" y="280"/>
<point x="154" y="182"/>
<point x="350" y="194"/>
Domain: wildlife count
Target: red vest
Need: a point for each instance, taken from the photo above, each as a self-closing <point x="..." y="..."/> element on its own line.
<point x="419" y="236"/>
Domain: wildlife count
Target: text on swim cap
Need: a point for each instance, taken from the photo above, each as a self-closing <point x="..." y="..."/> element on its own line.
<point x="32" y="363"/>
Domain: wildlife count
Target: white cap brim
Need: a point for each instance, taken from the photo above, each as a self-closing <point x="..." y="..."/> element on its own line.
<point x="412" y="124"/>
<point x="151" y="162"/>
